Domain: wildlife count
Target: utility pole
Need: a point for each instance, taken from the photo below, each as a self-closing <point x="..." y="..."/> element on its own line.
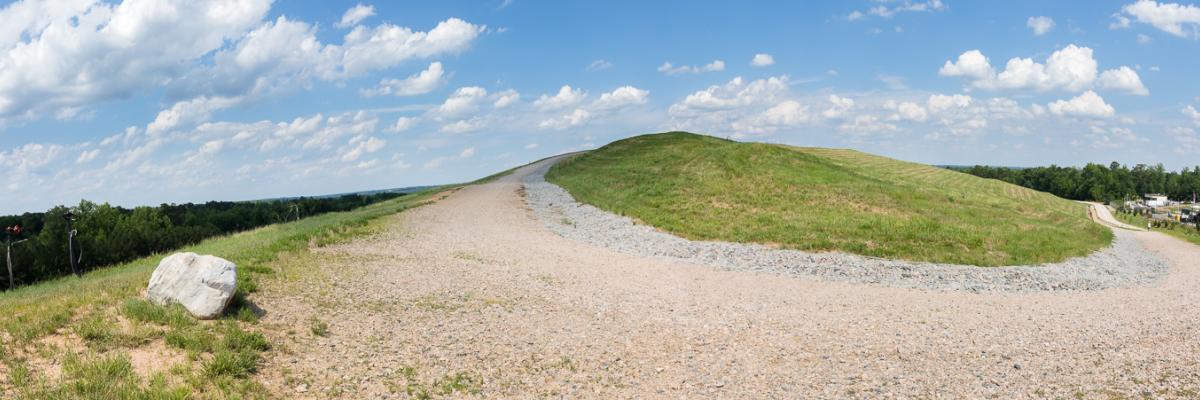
<point x="10" y="233"/>
<point x="70" y="217"/>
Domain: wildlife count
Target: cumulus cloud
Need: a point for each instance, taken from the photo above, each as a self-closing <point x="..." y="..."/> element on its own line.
<point x="463" y="101"/>
<point x="64" y="57"/>
<point x="910" y="111"/>
<point x="506" y="98"/>
<point x="1192" y="113"/>
<point x="360" y="145"/>
<point x="621" y="97"/>
<point x="839" y="106"/>
<point x="573" y="119"/>
<point x="1123" y="79"/>
<point x="762" y="60"/>
<point x="566" y="97"/>
<point x="1071" y="68"/>
<point x="76" y="54"/>
<point x="670" y="69"/>
<point x="420" y="83"/>
<point x="355" y="15"/>
<point x="939" y="102"/>
<point x="1040" y="25"/>
<point x="189" y="112"/>
<point x="402" y="124"/>
<point x="1181" y="20"/>
<point x="1088" y="104"/>
<point x="740" y="107"/>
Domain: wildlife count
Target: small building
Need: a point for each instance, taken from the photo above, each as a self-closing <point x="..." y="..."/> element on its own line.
<point x="1155" y="200"/>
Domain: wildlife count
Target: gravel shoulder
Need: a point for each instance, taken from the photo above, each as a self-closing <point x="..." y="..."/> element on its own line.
<point x="1124" y="263"/>
<point x="473" y="296"/>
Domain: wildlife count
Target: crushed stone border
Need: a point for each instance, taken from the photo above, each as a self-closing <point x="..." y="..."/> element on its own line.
<point x="1125" y="263"/>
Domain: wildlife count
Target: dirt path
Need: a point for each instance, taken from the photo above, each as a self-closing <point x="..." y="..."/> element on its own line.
<point x="1102" y="215"/>
<point x="472" y="296"/>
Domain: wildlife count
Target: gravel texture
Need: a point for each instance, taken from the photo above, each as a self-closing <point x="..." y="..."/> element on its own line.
<point x="473" y="297"/>
<point x="1124" y="263"/>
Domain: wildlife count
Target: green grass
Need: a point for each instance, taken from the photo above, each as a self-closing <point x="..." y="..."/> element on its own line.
<point x="816" y="199"/>
<point x="1179" y="231"/>
<point x="227" y="351"/>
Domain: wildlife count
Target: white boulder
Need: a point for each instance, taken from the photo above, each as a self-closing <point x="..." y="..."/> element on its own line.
<point x="203" y="284"/>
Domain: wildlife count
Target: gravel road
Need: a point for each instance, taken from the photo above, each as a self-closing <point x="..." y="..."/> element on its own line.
<point x="474" y="296"/>
<point x="1125" y="263"/>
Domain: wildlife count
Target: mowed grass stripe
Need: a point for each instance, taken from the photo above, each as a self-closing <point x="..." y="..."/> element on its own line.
<point x="813" y="199"/>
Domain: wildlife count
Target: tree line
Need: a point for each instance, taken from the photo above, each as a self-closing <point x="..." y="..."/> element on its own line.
<point x="1097" y="182"/>
<point x="108" y="235"/>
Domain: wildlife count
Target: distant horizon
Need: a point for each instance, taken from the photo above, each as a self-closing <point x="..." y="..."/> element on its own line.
<point x="164" y="102"/>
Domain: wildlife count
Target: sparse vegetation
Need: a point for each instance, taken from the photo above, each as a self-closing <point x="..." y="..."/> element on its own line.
<point x="103" y="312"/>
<point x="815" y="199"/>
<point x="1185" y="232"/>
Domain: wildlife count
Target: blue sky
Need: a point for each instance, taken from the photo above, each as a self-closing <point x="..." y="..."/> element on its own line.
<point x="144" y="102"/>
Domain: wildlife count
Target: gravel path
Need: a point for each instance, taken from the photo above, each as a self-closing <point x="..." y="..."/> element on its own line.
<point x="473" y="296"/>
<point x="1125" y="263"/>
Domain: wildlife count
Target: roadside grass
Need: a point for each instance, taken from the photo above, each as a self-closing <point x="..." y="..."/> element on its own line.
<point x="103" y="310"/>
<point x="1179" y="231"/>
<point x="816" y="199"/>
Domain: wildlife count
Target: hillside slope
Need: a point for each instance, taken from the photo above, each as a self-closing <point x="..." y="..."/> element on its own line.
<point x="817" y="199"/>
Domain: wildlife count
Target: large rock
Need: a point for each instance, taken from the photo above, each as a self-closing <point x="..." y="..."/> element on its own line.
<point x="202" y="284"/>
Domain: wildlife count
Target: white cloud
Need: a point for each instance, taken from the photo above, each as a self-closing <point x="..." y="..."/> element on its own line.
<point x="29" y="157"/>
<point x="506" y="98"/>
<point x="939" y="102"/>
<point x="910" y="111"/>
<point x="575" y="118"/>
<point x="566" y="97"/>
<point x="971" y="64"/>
<point x="621" y="97"/>
<point x="463" y="126"/>
<point x="901" y="6"/>
<point x="840" y="105"/>
<point x="735" y="93"/>
<point x="359" y="146"/>
<point x="402" y="124"/>
<point x="1123" y="79"/>
<point x="531" y="146"/>
<point x="467" y="153"/>
<point x="669" y="69"/>
<point x="355" y="15"/>
<point x="1040" y="25"/>
<point x="1181" y="20"/>
<point x="463" y="101"/>
<point x="87" y="156"/>
<point x="60" y="58"/>
<point x="420" y="83"/>
<point x="1071" y="68"/>
<point x="866" y="124"/>
<point x="1191" y="112"/>
<point x="599" y="65"/>
<point x="1088" y="104"/>
<point x="762" y="60"/>
<point x="786" y="114"/>
<point x="78" y="54"/>
<point x="187" y="113"/>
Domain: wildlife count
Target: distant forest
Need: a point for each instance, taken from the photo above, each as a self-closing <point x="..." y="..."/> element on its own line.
<point x="109" y="235"/>
<point x="1097" y="182"/>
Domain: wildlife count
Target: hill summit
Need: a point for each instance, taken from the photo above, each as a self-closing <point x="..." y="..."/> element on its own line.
<point x="818" y="199"/>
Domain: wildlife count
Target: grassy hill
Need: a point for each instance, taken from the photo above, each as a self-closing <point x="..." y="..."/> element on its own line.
<point x="817" y="199"/>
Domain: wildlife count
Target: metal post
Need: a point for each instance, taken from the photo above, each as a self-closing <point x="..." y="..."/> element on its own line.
<point x="69" y="216"/>
<point x="8" y="261"/>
